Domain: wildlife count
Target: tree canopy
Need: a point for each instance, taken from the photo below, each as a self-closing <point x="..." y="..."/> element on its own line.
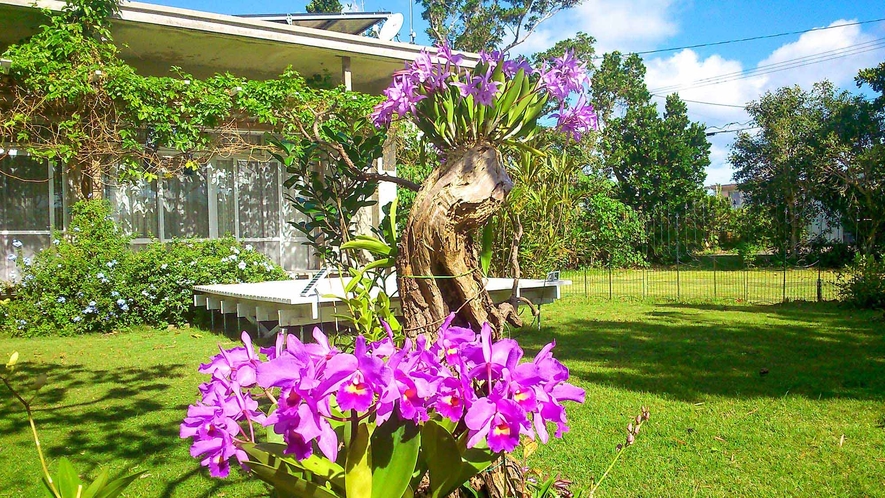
<point x="475" y="25"/>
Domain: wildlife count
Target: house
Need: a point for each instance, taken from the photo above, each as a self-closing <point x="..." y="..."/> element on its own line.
<point x="730" y="191"/>
<point x="822" y="227"/>
<point x="231" y="195"/>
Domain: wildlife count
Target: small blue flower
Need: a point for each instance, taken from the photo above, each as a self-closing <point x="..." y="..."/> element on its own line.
<point x="112" y="263"/>
<point x="56" y="241"/>
<point x="76" y="318"/>
<point x="61" y="300"/>
<point x="163" y="266"/>
<point x="115" y="294"/>
<point x="242" y="265"/>
<point x="16" y="243"/>
<point x="121" y="302"/>
<point x="248" y="247"/>
<point x="12" y="257"/>
<point x="76" y="229"/>
<point x="124" y="307"/>
<point x="100" y="276"/>
<point x="28" y="262"/>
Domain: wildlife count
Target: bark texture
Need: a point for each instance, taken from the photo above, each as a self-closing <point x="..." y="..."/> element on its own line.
<point x="438" y="268"/>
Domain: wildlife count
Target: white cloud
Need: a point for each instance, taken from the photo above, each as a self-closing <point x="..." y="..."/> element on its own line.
<point x="848" y="49"/>
<point x="624" y="25"/>
<point x="685" y="73"/>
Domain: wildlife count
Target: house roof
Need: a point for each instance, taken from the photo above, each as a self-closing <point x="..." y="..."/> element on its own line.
<point x="152" y="38"/>
<point x="354" y="23"/>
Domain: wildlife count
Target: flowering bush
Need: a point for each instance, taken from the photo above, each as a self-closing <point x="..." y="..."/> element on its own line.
<point x="90" y="280"/>
<point x="375" y="421"/>
<point x="497" y="101"/>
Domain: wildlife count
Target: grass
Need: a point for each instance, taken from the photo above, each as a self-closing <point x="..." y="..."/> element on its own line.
<point x="718" y="428"/>
<point x="112" y="402"/>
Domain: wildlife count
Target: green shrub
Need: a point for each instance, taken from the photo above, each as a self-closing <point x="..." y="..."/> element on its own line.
<point x="90" y="280"/>
<point x="863" y="283"/>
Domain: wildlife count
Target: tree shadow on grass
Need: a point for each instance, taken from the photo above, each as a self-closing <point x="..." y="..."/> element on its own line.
<point x="688" y="352"/>
<point x="95" y="416"/>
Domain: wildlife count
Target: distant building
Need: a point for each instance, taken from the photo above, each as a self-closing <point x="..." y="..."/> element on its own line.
<point x="729" y="191"/>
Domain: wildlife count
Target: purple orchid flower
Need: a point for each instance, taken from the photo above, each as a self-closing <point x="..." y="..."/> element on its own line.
<point x="576" y="121"/>
<point x="564" y="76"/>
<point x="500" y="421"/>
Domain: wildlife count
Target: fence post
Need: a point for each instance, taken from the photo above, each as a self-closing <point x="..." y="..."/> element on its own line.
<point x="746" y="285"/>
<point x="610" y="295"/>
<point x="586" y="293"/>
<point x="678" y="288"/>
<point x="784" y="299"/>
<point x="715" y="293"/>
<point x="644" y="277"/>
<point x="820" y="287"/>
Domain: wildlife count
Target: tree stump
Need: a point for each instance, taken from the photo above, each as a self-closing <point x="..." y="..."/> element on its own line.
<point x="438" y="269"/>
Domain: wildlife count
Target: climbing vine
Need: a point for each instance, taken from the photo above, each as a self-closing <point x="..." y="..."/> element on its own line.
<point x="69" y="97"/>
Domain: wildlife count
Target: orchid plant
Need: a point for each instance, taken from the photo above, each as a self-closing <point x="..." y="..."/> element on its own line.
<point x="378" y="421"/>
<point x="498" y="101"/>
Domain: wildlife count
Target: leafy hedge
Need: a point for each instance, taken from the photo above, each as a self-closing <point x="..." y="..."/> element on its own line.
<point x="863" y="283"/>
<point x="90" y="279"/>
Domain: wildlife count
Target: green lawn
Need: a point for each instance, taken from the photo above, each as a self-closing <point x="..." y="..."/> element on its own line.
<point x="718" y="428"/>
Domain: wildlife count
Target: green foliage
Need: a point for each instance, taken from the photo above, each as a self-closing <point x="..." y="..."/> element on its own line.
<point x="863" y="283"/>
<point x="450" y="121"/>
<point x="475" y="25"/>
<point x="777" y="169"/>
<point x="89" y="279"/>
<point x="74" y="100"/>
<point x="331" y="184"/>
<point x="608" y="233"/>
<point x="659" y="162"/>
<point x="323" y="7"/>
<point x="365" y="295"/>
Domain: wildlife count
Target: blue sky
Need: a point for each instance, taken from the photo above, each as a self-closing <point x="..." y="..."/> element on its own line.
<point x="641" y="25"/>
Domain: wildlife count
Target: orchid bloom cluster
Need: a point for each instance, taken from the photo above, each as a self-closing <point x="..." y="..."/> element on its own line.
<point x="463" y="376"/>
<point x="560" y="78"/>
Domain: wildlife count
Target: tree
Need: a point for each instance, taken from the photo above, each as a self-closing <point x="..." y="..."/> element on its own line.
<point x="475" y="25"/>
<point x="323" y="7"/>
<point x="779" y="166"/>
<point x="658" y="161"/>
<point x="853" y="178"/>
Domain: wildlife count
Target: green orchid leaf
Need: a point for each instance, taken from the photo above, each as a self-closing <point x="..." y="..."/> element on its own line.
<point x="443" y="460"/>
<point x="97" y="485"/>
<point x="67" y="481"/>
<point x="288" y="485"/>
<point x="272" y="454"/>
<point x="485" y="254"/>
<point x="117" y="486"/>
<point x="394" y="455"/>
<point x="358" y="465"/>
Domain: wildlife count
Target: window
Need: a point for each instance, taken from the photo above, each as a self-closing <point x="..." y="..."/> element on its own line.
<point x="24" y="193"/>
<point x="222" y="198"/>
<point x="258" y="197"/>
<point x="186" y="205"/>
<point x="134" y="204"/>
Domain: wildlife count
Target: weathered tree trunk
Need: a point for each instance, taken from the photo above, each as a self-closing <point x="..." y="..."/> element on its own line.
<point x="438" y="268"/>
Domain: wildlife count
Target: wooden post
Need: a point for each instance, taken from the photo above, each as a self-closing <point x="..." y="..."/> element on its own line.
<point x="346" y="75"/>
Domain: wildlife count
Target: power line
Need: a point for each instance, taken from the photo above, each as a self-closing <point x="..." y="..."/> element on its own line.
<point x="701" y="102"/>
<point x="779" y="66"/>
<point x="761" y="37"/>
<point x="711" y="133"/>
